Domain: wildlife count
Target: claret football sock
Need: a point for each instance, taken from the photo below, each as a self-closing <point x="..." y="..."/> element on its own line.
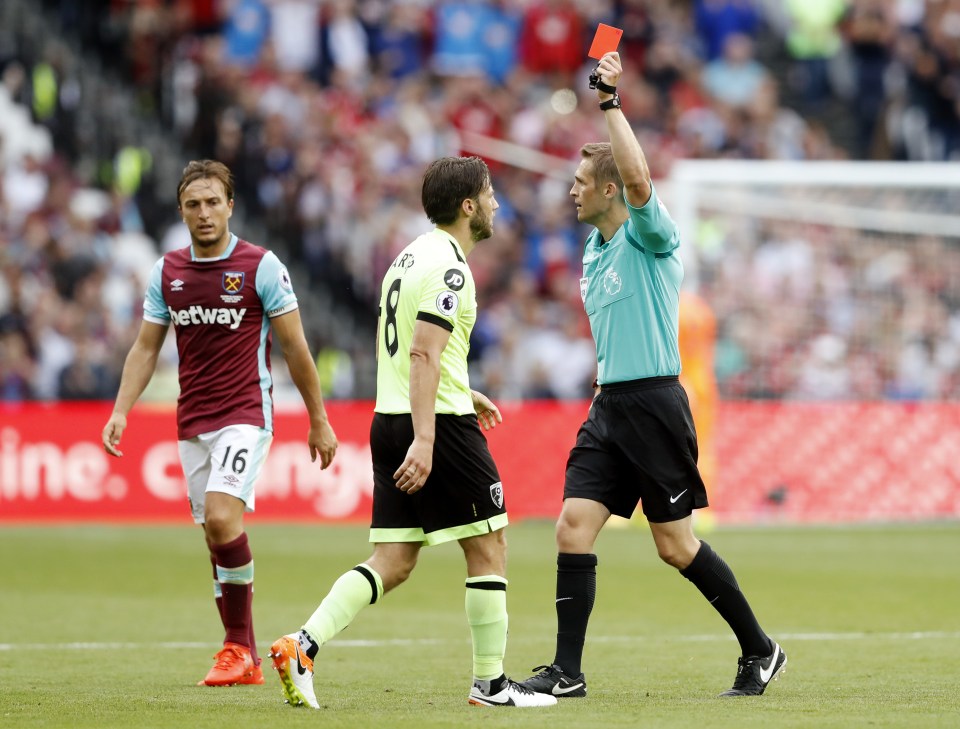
<point x="235" y="574"/>
<point x="218" y="598"/>
<point x="217" y="588"/>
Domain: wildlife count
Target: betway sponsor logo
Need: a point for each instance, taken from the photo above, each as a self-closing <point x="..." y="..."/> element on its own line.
<point x="200" y="315"/>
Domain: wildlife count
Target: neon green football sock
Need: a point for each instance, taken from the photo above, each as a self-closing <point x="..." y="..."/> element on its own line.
<point x="486" y="606"/>
<point x="352" y="592"/>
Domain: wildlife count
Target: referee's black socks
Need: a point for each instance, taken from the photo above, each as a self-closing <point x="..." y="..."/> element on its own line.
<point x="576" y="592"/>
<point x="714" y="578"/>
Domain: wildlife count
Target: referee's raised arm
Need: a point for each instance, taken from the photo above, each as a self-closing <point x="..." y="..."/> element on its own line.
<point x="627" y="152"/>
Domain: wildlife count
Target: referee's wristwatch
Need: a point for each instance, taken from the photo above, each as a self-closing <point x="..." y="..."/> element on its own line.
<point x="613" y="103"/>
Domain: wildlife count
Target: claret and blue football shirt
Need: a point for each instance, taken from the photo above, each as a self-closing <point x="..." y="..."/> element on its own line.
<point x="220" y="310"/>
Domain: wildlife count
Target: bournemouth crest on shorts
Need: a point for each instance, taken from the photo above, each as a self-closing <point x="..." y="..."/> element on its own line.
<point x="496" y="493"/>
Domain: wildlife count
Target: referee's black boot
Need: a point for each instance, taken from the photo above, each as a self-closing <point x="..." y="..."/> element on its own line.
<point x="755" y="673"/>
<point x="552" y="680"/>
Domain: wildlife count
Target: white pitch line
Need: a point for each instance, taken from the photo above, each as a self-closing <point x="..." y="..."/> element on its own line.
<point x="178" y="645"/>
<point x="856" y="635"/>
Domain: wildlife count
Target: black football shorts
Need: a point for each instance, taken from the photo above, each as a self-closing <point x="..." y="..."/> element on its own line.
<point x="638" y="444"/>
<point x="462" y="497"/>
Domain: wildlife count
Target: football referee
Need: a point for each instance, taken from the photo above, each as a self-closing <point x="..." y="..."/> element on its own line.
<point x="434" y="478"/>
<point x="638" y="443"/>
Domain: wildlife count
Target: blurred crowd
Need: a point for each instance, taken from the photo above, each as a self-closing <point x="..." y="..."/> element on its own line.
<point x="836" y="314"/>
<point x="327" y="112"/>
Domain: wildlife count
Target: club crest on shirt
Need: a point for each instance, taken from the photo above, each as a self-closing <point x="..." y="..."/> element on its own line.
<point x="233" y="281"/>
<point x="496" y="493"/>
<point x="448" y="303"/>
<point x="612" y="283"/>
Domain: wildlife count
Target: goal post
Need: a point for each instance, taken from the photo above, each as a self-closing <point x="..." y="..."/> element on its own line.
<point x="893" y="198"/>
<point x="836" y="289"/>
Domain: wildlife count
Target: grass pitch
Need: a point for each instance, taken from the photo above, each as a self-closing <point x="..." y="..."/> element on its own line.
<point x="106" y="626"/>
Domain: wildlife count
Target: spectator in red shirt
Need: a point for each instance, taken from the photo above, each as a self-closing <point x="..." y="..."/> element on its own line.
<point x="552" y="39"/>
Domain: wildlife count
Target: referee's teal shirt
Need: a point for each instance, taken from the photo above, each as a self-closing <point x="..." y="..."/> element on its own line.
<point x="631" y="292"/>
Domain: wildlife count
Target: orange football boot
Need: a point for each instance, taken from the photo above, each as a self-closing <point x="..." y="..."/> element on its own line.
<point x="232" y="665"/>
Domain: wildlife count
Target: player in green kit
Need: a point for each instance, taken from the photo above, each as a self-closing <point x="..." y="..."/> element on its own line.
<point x="434" y="478"/>
<point x="638" y="443"/>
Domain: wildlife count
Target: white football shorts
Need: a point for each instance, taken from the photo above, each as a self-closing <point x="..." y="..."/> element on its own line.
<point x="228" y="460"/>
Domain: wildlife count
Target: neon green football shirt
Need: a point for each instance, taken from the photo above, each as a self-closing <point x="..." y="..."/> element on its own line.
<point x="430" y="281"/>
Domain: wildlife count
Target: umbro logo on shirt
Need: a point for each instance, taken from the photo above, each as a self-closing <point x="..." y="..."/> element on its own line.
<point x="176" y="285"/>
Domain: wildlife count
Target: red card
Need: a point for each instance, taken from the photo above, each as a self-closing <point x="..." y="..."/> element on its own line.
<point x="606" y="40"/>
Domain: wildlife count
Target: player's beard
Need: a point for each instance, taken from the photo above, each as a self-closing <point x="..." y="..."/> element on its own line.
<point x="481" y="225"/>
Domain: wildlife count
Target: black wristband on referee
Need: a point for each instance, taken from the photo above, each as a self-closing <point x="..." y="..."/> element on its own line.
<point x="597" y="83"/>
<point x="606" y="88"/>
<point x="613" y="103"/>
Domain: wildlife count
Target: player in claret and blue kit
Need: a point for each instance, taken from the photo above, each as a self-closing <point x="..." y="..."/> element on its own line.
<point x="224" y="297"/>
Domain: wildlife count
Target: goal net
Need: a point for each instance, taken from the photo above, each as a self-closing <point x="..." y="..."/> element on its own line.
<point x="830" y="280"/>
<point x="836" y="292"/>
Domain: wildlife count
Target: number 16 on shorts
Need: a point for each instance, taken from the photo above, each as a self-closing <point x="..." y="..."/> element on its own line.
<point x="228" y="460"/>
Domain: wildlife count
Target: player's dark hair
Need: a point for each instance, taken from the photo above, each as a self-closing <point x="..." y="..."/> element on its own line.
<point x="448" y="182"/>
<point x="605" y="169"/>
<point x="200" y="169"/>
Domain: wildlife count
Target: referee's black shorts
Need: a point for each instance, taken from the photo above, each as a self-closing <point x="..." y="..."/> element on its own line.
<point x="638" y="444"/>
<point x="462" y="496"/>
